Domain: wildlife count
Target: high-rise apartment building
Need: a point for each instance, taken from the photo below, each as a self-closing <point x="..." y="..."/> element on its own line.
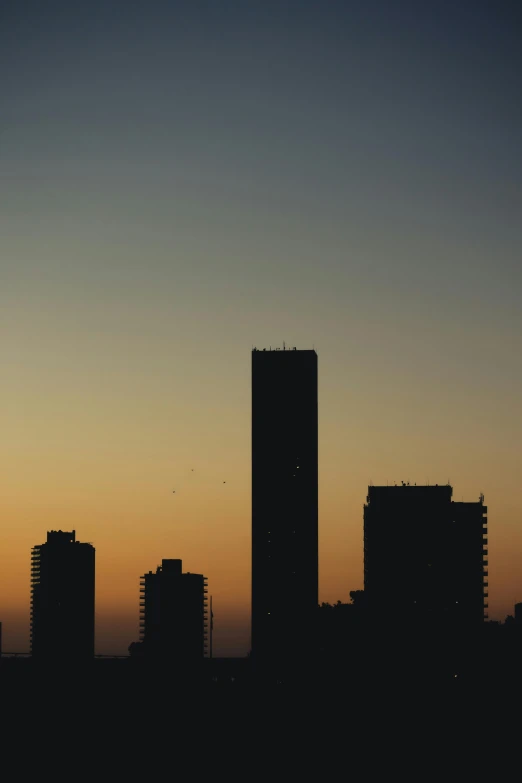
<point x="173" y="608"/>
<point x="62" y="598"/>
<point x="425" y="556"/>
<point x="284" y="500"/>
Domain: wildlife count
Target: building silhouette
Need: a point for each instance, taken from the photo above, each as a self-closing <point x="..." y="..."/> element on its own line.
<point x="284" y="501"/>
<point x="62" y="598"/>
<point x="425" y="557"/>
<point x="173" y="609"/>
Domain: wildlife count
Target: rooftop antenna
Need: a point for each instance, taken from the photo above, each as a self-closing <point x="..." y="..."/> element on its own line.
<point x="284" y="347"/>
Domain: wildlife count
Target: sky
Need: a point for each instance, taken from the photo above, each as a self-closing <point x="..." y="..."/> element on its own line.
<point x="183" y="181"/>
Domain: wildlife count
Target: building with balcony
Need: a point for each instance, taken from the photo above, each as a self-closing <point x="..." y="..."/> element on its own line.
<point x="425" y="556"/>
<point x="173" y="614"/>
<point x="62" y="599"/>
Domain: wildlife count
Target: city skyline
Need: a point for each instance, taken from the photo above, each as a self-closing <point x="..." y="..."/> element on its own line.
<point x="180" y="185"/>
<point x="449" y="536"/>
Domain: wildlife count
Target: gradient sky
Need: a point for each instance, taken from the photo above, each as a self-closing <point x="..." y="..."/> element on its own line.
<point x="181" y="181"/>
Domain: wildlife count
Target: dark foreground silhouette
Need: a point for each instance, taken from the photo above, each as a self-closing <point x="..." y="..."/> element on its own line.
<point x="389" y="660"/>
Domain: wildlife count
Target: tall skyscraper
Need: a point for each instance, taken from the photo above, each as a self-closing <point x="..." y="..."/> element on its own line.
<point x="284" y="501"/>
<point x="173" y="608"/>
<point x="62" y="598"/>
<point x="425" y="556"/>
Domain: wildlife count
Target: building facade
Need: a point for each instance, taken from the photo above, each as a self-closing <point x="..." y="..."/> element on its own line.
<point x="173" y="610"/>
<point x="425" y="556"/>
<point x="284" y="500"/>
<point x="62" y="598"/>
